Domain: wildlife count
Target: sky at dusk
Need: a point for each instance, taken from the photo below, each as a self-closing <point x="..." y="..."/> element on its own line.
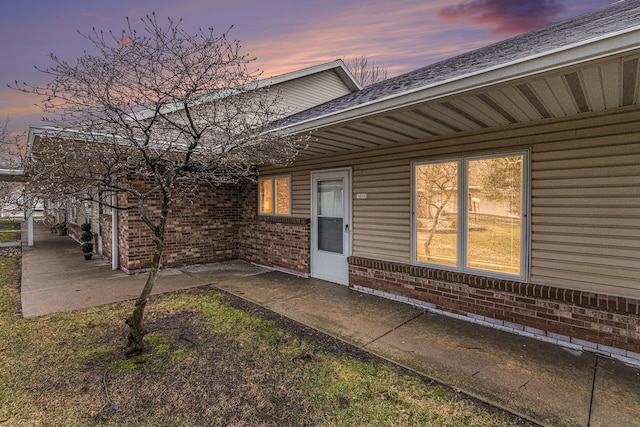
<point x="284" y="36"/>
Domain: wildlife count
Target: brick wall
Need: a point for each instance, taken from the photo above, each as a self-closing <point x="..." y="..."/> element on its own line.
<point x="582" y="320"/>
<point x="213" y="224"/>
<point x="281" y="243"/>
<point x="278" y="242"/>
<point x="202" y="228"/>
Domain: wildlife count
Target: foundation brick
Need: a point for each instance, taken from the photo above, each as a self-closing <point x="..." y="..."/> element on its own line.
<point x="570" y="317"/>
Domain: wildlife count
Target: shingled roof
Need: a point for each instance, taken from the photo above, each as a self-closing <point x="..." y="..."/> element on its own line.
<point x="615" y="18"/>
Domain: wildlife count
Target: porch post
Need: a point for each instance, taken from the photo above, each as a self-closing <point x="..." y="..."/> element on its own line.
<point x="114" y="232"/>
<point x="29" y="213"/>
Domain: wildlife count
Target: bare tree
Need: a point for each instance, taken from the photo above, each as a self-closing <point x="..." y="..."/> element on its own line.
<point x="149" y="117"/>
<point x="12" y="194"/>
<point x="365" y="71"/>
<point x="436" y="185"/>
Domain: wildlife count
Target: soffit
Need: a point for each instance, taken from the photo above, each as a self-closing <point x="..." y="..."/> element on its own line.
<point x="595" y="86"/>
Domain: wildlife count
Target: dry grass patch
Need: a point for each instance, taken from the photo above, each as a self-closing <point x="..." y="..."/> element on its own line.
<point x="211" y="360"/>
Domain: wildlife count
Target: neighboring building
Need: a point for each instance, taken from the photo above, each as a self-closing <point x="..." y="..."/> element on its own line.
<point x="501" y="186"/>
<point x="202" y="231"/>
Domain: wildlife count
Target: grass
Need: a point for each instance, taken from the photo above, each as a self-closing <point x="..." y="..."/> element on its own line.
<point x="9" y="230"/>
<point x="9" y="224"/>
<point x="9" y="236"/>
<point x="210" y="361"/>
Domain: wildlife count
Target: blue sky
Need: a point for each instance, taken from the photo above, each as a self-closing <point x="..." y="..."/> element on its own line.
<point x="284" y="35"/>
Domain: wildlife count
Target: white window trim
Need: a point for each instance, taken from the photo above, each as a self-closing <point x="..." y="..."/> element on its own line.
<point x="273" y="178"/>
<point x="462" y="239"/>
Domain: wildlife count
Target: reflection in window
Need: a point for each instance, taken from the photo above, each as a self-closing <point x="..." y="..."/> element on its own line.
<point x="266" y="196"/>
<point x="437" y="212"/>
<point x="274" y="196"/>
<point x="282" y="196"/>
<point x="494" y="214"/>
<point x="488" y="236"/>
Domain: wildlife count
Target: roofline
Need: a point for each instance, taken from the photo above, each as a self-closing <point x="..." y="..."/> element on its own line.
<point x="343" y="72"/>
<point x="614" y="43"/>
<point x="341" y="69"/>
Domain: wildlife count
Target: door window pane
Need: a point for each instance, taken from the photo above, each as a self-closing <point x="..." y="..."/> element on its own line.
<point x="437" y="213"/>
<point x="494" y="214"/>
<point x="330" y="235"/>
<point x="330" y="195"/>
<point x="330" y="210"/>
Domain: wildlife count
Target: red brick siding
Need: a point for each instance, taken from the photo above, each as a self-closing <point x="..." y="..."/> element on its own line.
<point x="608" y="320"/>
<point x="214" y="224"/>
<point x="279" y="242"/>
<point x="202" y="228"/>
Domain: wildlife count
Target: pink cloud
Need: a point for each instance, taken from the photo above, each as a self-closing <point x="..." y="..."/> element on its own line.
<point x="506" y="17"/>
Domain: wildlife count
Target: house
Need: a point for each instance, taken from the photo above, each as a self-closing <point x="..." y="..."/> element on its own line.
<point x="203" y="231"/>
<point x="501" y="187"/>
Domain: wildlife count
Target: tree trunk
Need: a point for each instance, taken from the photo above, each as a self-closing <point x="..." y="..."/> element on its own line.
<point x="137" y="332"/>
<point x="436" y="220"/>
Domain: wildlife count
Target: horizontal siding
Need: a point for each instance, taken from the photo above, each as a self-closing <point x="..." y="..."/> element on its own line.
<point x="382" y="221"/>
<point x="585" y="206"/>
<point x="305" y="92"/>
<point x="585" y="197"/>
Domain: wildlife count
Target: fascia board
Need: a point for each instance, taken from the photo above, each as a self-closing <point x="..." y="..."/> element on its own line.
<point x="338" y="65"/>
<point x="577" y="53"/>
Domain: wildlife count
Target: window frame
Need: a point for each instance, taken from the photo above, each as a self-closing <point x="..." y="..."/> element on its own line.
<point x="273" y="179"/>
<point x="462" y="241"/>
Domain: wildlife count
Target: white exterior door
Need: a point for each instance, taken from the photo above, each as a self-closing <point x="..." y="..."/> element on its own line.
<point x="331" y="225"/>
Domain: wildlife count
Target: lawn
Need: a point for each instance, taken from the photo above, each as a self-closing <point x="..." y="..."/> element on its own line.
<point x="9" y="236"/>
<point x="212" y="359"/>
<point x="9" y="224"/>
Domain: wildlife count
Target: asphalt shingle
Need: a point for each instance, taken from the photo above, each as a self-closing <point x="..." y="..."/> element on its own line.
<point x="616" y="17"/>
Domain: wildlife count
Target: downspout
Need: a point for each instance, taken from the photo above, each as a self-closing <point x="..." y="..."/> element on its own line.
<point x="114" y="232"/>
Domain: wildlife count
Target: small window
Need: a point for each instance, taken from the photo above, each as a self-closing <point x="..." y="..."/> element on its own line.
<point x="274" y="196"/>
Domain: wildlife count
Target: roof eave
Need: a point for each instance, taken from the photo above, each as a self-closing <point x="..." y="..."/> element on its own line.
<point x="338" y="65"/>
<point x="592" y="49"/>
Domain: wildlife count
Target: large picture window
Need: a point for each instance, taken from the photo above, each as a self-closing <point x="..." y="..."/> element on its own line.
<point x="469" y="214"/>
<point x="274" y="196"/>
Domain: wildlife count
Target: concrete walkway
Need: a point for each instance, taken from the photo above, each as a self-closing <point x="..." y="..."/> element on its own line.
<point x="542" y="382"/>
